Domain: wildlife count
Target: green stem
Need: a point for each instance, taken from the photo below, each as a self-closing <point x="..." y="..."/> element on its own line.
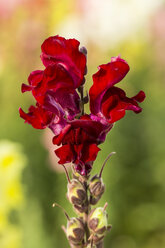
<point x="81" y="90"/>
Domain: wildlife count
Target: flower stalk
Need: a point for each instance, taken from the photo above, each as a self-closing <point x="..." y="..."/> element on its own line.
<point x="81" y="91"/>
<point x="59" y="94"/>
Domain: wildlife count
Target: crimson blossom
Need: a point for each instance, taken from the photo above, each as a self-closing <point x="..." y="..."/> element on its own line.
<point x="58" y="92"/>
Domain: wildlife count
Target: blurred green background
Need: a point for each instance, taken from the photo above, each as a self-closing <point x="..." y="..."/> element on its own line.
<point x="30" y="180"/>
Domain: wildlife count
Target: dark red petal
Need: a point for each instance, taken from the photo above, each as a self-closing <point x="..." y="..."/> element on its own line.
<point x="59" y="138"/>
<point x="108" y="105"/>
<point x="81" y="137"/>
<point x="57" y="76"/>
<point x="68" y="99"/>
<point x="89" y="152"/>
<point x="54" y="77"/>
<point x="94" y="129"/>
<point x="78" y="151"/>
<point x="37" y="117"/>
<point x="65" y="154"/>
<point x="139" y="97"/>
<point x="116" y="114"/>
<point x="115" y="103"/>
<point x="25" y="88"/>
<point x="35" y="77"/>
<point x="57" y="49"/>
<point x="107" y="76"/>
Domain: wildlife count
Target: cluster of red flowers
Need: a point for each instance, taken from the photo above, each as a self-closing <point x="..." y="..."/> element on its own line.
<point x="59" y="106"/>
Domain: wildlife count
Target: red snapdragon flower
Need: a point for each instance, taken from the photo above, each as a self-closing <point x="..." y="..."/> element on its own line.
<point x="77" y="147"/>
<point x="80" y="140"/>
<point x="53" y="90"/>
<point x="58" y="50"/>
<point x="59" y="106"/>
<point x="108" y="101"/>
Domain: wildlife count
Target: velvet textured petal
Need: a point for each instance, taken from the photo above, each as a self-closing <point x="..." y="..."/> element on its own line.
<point x="115" y="103"/>
<point x="68" y="99"/>
<point x="85" y="155"/>
<point x="65" y="154"/>
<point x="139" y="97"/>
<point x="54" y="77"/>
<point x="58" y="50"/>
<point x="26" y="87"/>
<point x="90" y="152"/>
<point x="107" y="76"/>
<point x="37" y="117"/>
<point x="35" y="77"/>
<point x="58" y="121"/>
<point x="58" y="139"/>
<point x="94" y="129"/>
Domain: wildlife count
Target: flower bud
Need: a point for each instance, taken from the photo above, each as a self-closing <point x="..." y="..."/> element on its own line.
<point x="96" y="185"/>
<point x="83" y="50"/>
<point x="96" y="188"/>
<point x="77" y="195"/>
<point x="98" y="224"/>
<point x="75" y="231"/>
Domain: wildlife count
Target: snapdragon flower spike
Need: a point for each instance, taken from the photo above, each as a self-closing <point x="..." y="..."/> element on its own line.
<point x="60" y="108"/>
<point x="108" y="101"/>
<point x="58" y="50"/>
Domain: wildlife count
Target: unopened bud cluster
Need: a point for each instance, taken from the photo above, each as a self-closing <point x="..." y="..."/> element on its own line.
<point x="91" y="226"/>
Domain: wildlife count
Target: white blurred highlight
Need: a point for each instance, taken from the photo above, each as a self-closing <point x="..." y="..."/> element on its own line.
<point x="108" y="22"/>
